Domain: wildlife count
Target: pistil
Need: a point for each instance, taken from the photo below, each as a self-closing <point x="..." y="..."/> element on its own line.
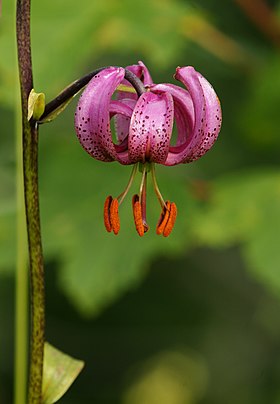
<point x="143" y="196"/>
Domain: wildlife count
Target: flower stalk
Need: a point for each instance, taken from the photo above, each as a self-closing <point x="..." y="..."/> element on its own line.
<point x="72" y="89"/>
<point x="31" y="194"/>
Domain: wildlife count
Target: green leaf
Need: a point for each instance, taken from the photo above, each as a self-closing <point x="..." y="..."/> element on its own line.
<point x="245" y="208"/>
<point x="59" y="372"/>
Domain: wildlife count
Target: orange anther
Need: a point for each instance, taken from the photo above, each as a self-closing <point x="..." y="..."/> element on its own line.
<point x="171" y="220"/>
<point x="114" y="216"/>
<point x="137" y="214"/>
<point x="163" y="218"/>
<point x="106" y="215"/>
<point x="111" y="215"/>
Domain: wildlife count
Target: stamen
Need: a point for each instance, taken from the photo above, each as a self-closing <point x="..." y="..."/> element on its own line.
<point x="111" y="207"/>
<point x="156" y="188"/>
<point x="137" y="214"/>
<point x="111" y="215"/>
<point x="114" y="216"/>
<point x="130" y="181"/>
<point x="167" y="219"/>
<point x="106" y="215"/>
<point x="165" y="213"/>
<point x="171" y="220"/>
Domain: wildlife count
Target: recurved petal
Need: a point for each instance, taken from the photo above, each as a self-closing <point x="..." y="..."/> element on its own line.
<point x="92" y="117"/>
<point x="183" y="111"/>
<point x="122" y="122"/>
<point x="146" y="77"/>
<point x="207" y="117"/>
<point x="151" y="128"/>
<point x="121" y="112"/>
<point x="213" y="117"/>
<point x="135" y="69"/>
<point x="122" y="116"/>
<point x="141" y="71"/>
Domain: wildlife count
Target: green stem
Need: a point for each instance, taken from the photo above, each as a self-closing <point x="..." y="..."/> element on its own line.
<point x="30" y="172"/>
<point x="21" y="294"/>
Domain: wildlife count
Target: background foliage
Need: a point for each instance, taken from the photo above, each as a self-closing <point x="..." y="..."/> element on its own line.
<point x="189" y="319"/>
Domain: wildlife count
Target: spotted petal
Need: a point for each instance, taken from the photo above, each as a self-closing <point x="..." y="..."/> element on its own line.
<point x="142" y="72"/>
<point x="92" y="118"/>
<point x="122" y="110"/>
<point x="121" y="122"/>
<point x="151" y="128"/>
<point x="183" y="112"/>
<point x="207" y="117"/>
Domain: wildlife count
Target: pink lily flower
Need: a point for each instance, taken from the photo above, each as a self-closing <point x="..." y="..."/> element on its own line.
<point x="144" y="126"/>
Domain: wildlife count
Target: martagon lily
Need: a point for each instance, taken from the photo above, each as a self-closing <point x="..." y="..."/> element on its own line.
<point x="144" y="125"/>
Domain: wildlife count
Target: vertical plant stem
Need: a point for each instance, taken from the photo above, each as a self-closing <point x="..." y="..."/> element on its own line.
<point x="30" y="172"/>
<point x="21" y="294"/>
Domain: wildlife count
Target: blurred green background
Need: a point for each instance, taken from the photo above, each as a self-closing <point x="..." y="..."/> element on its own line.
<point x="192" y="319"/>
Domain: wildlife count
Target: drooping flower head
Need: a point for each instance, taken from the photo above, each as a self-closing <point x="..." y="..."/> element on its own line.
<point x="144" y="123"/>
